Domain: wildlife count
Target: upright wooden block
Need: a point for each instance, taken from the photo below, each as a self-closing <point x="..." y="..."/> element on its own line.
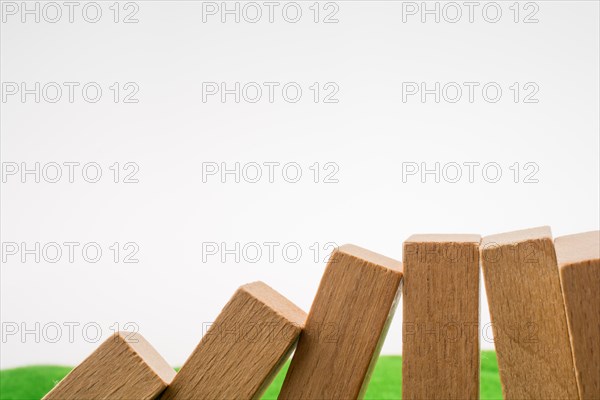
<point x="243" y="350"/>
<point x="346" y="326"/>
<point x="124" y="367"/>
<point x="440" y="335"/>
<point x="528" y="315"/>
<point x="579" y="265"/>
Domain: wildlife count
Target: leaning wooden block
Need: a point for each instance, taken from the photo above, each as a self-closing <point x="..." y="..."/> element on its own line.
<point x="243" y="350"/>
<point x="125" y="366"/>
<point x="528" y="315"/>
<point x="579" y="264"/>
<point x="345" y="328"/>
<point x="440" y="335"/>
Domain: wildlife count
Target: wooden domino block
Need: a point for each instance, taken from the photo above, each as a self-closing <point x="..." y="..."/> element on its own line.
<point x="579" y="265"/>
<point x="345" y="327"/>
<point x="243" y="350"/>
<point x="440" y="332"/>
<point x="528" y="315"/>
<point x="125" y="366"/>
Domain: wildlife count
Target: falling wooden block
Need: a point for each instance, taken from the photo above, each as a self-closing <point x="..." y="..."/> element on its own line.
<point x="579" y="265"/>
<point x="346" y="326"/>
<point x="440" y="332"/>
<point x="528" y="315"/>
<point x="125" y="366"/>
<point x="243" y="350"/>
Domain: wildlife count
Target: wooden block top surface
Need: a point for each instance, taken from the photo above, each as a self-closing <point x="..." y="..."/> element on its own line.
<point x="514" y="237"/>
<point x="368" y="256"/>
<point x="443" y="238"/>
<point x="149" y="354"/>
<point x="578" y="248"/>
<point x="274" y="300"/>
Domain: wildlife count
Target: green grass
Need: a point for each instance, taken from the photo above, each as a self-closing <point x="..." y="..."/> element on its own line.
<point x="29" y="383"/>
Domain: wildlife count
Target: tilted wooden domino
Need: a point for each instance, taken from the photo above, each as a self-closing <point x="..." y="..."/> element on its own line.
<point x="440" y="335"/>
<point x="346" y="326"/>
<point x="528" y="315"/>
<point x="242" y="351"/>
<point x="125" y="366"/>
<point x="579" y="265"/>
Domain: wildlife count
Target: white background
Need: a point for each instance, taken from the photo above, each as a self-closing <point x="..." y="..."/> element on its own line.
<point x="369" y="133"/>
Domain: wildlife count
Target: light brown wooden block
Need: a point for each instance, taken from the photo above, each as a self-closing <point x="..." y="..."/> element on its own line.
<point x="528" y="315"/>
<point x="440" y="332"/>
<point x="579" y="265"/>
<point x="243" y="350"/>
<point x="125" y="366"/>
<point x="346" y="326"/>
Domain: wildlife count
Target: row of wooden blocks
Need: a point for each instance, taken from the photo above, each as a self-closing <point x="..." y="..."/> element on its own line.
<point x="543" y="295"/>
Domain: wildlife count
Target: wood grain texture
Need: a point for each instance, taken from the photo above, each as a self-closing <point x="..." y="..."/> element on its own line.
<point x="440" y="331"/>
<point x="243" y="350"/>
<point x="123" y="367"/>
<point x="528" y="315"/>
<point x="346" y="326"/>
<point x="579" y="265"/>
